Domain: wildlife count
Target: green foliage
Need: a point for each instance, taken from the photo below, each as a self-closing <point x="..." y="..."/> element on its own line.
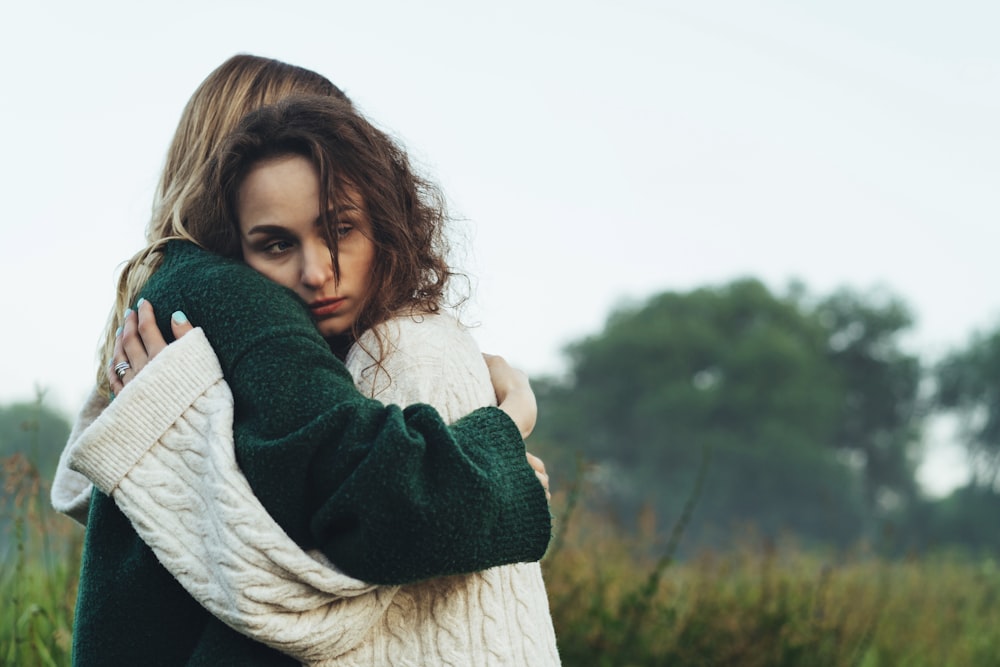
<point x="967" y="389"/>
<point x="965" y="520"/>
<point x="811" y="409"/>
<point x="880" y="411"/>
<point x="968" y="384"/>
<point x="720" y="361"/>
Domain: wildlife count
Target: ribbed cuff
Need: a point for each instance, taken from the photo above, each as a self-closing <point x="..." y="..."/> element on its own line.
<point x="144" y="410"/>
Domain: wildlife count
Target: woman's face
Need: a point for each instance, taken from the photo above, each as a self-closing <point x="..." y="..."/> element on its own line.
<point x="282" y="237"/>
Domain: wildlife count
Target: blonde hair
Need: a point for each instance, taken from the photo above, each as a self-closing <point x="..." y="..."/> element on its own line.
<point x="238" y="86"/>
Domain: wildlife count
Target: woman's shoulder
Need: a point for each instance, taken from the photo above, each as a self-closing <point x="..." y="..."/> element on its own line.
<point x="420" y="333"/>
<point x="426" y="324"/>
<point x="426" y="358"/>
<point x="428" y="340"/>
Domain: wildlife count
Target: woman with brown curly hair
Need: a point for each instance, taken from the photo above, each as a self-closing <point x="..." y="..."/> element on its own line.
<point x="384" y="494"/>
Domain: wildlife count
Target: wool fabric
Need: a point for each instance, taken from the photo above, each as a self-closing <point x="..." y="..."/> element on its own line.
<point x="380" y="491"/>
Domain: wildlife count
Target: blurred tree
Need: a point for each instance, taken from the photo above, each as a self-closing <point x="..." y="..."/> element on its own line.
<point x="735" y="368"/>
<point x="965" y="518"/>
<point x="881" y="413"/>
<point x="968" y="384"/>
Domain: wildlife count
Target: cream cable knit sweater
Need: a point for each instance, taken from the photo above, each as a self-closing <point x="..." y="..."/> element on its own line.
<point x="164" y="450"/>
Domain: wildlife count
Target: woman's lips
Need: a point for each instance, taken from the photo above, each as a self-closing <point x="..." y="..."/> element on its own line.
<point x="325" y="307"/>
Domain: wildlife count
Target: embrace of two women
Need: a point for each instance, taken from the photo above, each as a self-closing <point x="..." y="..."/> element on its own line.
<point x="326" y="471"/>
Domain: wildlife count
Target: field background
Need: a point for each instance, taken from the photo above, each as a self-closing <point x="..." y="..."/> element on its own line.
<point x="618" y="598"/>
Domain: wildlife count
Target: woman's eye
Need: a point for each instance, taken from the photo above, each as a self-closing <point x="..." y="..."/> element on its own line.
<point x="343" y="230"/>
<point x="277" y="246"/>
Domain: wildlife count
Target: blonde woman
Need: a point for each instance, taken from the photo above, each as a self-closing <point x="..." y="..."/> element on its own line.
<point x="388" y="496"/>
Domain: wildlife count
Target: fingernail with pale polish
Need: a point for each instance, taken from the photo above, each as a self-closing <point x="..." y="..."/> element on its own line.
<point x="118" y="332"/>
<point x="179" y="317"/>
<point x="139" y="303"/>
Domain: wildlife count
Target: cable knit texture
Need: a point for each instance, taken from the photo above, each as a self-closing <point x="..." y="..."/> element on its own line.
<point x="377" y="489"/>
<point x="496" y="617"/>
<point x="232" y="557"/>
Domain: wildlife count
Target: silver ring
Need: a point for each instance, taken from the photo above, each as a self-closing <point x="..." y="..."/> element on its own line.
<point x="120" y="369"/>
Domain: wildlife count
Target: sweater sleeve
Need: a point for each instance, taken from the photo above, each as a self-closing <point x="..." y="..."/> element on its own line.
<point x="163" y="450"/>
<point x="388" y="494"/>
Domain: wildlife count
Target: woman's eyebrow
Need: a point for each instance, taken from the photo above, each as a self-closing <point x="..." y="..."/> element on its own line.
<point x="265" y="229"/>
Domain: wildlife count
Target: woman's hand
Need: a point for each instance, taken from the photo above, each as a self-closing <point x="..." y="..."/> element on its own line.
<point x="540" y="473"/>
<point x="514" y="393"/>
<point x="138" y="341"/>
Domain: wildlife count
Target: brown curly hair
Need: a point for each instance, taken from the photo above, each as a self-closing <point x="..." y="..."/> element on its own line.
<point x="410" y="273"/>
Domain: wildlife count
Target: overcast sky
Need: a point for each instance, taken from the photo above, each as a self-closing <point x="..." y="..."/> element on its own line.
<point x="599" y="152"/>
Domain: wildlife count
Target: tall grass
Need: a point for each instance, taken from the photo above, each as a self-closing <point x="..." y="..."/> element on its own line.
<point x="40" y="556"/>
<point x="767" y="604"/>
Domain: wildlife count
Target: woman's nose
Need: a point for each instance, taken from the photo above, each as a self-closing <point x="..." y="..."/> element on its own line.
<point x="317" y="265"/>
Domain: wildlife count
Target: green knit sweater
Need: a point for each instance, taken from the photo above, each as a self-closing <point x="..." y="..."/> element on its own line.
<point x="390" y="495"/>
